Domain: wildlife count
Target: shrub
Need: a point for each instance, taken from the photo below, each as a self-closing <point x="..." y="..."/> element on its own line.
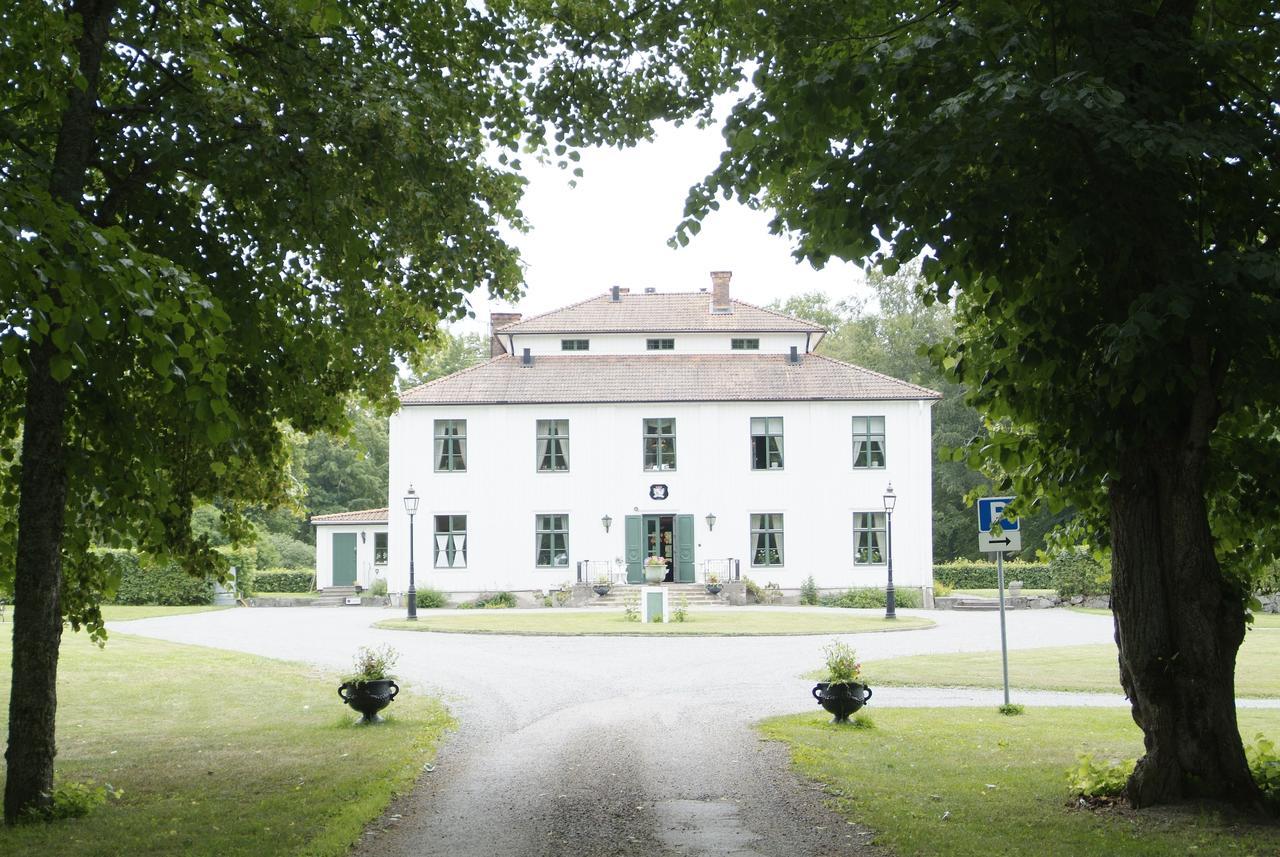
<point x="1264" y="764"/>
<point x="842" y="663"/>
<point x="284" y="580"/>
<point x="754" y="592"/>
<point x="1011" y="709"/>
<point x="1077" y="573"/>
<point x="771" y="594"/>
<point x="969" y="574"/>
<point x="940" y="589"/>
<point x="870" y="596"/>
<point x="379" y="587"/>
<point x="373" y="663"/>
<point x="1094" y="779"/>
<point x="631" y="607"/>
<point x="809" y="591"/>
<point x="163" y="583"/>
<point x="496" y="601"/>
<point x="681" y="613"/>
<point x="73" y="800"/>
<point x="430" y="599"/>
<point x="246" y="564"/>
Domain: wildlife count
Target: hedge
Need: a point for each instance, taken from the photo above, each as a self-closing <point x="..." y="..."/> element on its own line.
<point x="284" y="580"/>
<point x="872" y="597"/>
<point x="966" y="574"/>
<point x="162" y="583"/>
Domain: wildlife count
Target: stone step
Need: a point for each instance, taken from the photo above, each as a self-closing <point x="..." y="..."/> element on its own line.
<point x="977" y="605"/>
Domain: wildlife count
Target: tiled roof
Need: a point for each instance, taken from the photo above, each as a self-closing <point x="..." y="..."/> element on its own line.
<point x="661" y="378"/>
<point x="661" y="312"/>
<point x="363" y="516"/>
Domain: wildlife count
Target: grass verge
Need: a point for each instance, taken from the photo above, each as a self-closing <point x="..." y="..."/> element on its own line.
<point x="1082" y="668"/>
<point x="217" y="753"/>
<point x="123" y="612"/>
<point x="972" y="783"/>
<point x="601" y="621"/>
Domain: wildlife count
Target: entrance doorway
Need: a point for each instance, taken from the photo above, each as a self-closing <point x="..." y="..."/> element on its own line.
<point x="667" y="536"/>
<point x="659" y="540"/>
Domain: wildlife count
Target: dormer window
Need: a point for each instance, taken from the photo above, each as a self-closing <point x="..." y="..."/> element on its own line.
<point x="744" y="344"/>
<point x="575" y="344"/>
<point x="660" y="344"/>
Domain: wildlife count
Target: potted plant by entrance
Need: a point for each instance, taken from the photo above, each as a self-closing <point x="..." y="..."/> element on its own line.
<point x="655" y="569"/>
<point x="713" y="583"/>
<point x="602" y="585"/>
<point x="842" y="693"/>
<point x="371" y="687"/>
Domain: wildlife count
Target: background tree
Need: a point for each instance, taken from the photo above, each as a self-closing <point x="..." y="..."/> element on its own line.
<point x="219" y="220"/>
<point x="1096" y="183"/>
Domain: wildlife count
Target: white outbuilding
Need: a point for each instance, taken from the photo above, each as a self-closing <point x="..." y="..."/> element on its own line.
<point x="687" y="426"/>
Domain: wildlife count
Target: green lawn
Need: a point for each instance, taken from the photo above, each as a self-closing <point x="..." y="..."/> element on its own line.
<point x="601" y="621"/>
<point x="216" y="753"/>
<point x="123" y="613"/>
<point x="973" y="783"/>
<point x="1084" y="668"/>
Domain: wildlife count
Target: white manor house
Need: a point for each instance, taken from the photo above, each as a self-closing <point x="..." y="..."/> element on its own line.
<point x="683" y="425"/>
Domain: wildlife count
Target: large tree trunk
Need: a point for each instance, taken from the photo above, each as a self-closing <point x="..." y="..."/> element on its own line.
<point x="1178" y="624"/>
<point x="37" y="618"/>
<point x="37" y="615"/>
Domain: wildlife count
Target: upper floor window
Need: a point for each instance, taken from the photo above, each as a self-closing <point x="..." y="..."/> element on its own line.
<point x="660" y="344"/>
<point x="451" y="445"/>
<point x="766" y="443"/>
<point x="379" y="548"/>
<point x="553" y="445"/>
<point x="451" y="541"/>
<point x="766" y="539"/>
<point x="553" y="540"/>
<point x="869" y="538"/>
<point x="659" y="444"/>
<point x="744" y="344"/>
<point x="575" y="344"/>
<point x="868" y="441"/>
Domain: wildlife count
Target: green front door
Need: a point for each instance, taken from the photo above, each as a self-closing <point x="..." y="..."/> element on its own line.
<point x="344" y="559"/>
<point x="684" y="548"/>
<point x="635" y="548"/>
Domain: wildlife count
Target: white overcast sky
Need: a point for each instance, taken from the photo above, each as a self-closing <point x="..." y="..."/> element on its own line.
<point x="612" y="229"/>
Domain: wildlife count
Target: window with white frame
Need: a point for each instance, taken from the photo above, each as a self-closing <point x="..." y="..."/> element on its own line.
<point x="868" y="442"/>
<point x="553" y="541"/>
<point x="553" y="445"/>
<point x="870" y="538"/>
<point x="379" y="548"/>
<point x="766" y="443"/>
<point x="766" y="539"/>
<point x="660" y="444"/>
<point x="451" y="541"/>
<point x="451" y="445"/>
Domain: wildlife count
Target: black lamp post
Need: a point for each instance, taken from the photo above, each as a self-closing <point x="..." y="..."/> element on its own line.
<point x="411" y="506"/>
<point x="890" y="500"/>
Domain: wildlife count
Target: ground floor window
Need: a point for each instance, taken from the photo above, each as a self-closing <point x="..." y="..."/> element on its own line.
<point x="379" y="548"/>
<point x="766" y="539"/>
<point x="451" y="541"/>
<point x="553" y="541"/>
<point x="869" y="538"/>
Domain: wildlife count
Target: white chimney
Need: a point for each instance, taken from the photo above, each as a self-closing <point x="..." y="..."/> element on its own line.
<point x="720" y="291"/>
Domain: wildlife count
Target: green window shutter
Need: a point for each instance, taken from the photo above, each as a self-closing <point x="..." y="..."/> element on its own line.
<point x="635" y="548"/>
<point x="684" y="548"/>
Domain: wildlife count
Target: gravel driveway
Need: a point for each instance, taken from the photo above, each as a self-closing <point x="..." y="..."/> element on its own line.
<point x="618" y="745"/>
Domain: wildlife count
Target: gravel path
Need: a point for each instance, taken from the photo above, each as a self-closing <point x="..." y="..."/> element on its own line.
<point x="619" y="745"/>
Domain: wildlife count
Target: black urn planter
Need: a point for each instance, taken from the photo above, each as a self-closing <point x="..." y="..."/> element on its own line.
<point x="714" y="588"/>
<point x="841" y="699"/>
<point x="369" y="697"/>
<point x="601" y="589"/>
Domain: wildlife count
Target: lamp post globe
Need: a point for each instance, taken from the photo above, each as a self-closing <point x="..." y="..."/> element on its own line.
<point x="890" y="602"/>
<point x="411" y="506"/>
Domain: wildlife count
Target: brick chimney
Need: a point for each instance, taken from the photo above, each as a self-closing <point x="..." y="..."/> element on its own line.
<point x="497" y="320"/>
<point x="720" y="291"/>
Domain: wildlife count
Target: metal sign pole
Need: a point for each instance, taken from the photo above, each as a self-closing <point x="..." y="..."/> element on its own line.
<point x="1004" y="644"/>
